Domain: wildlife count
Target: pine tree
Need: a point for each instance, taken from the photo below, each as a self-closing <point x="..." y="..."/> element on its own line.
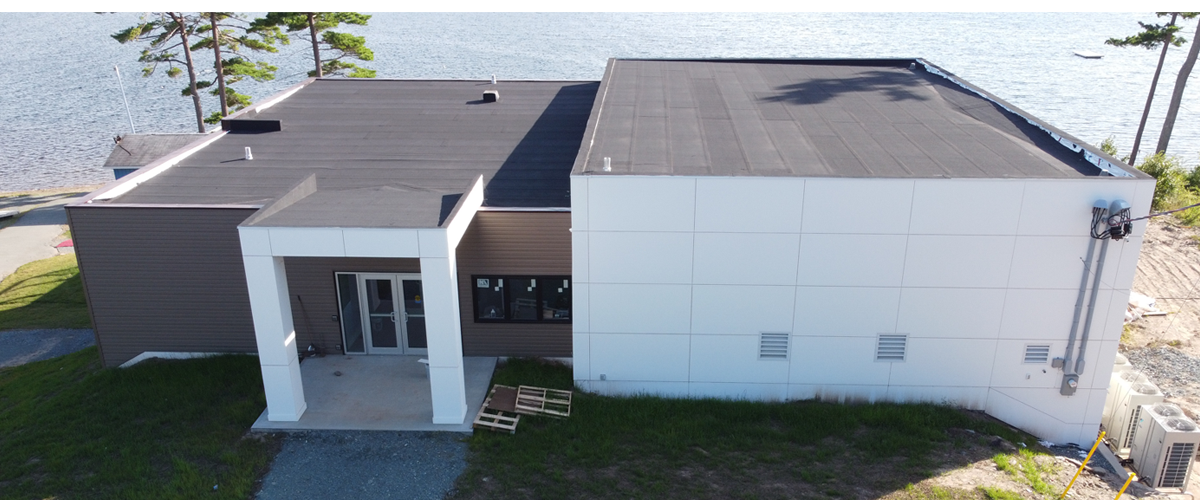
<point x="338" y="45"/>
<point x="1150" y="38"/>
<point x="231" y="33"/>
<point x="165" y="33"/>
<point x="1180" y="82"/>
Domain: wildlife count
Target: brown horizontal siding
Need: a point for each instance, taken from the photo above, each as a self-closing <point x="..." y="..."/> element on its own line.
<point x="521" y="243"/>
<point x="163" y="279"/>
<point x="313" y="293"/>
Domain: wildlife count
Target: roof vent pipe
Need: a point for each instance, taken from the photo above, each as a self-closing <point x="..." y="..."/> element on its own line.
<point x="607" y="164"/>
<point x="493" y="79"/>
<point x="249" y="155"/>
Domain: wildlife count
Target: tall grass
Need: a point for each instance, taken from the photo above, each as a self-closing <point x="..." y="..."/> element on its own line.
<point x="648" y="440"/>
<point x="44" y="294"/>
<point x="169" y="429"/>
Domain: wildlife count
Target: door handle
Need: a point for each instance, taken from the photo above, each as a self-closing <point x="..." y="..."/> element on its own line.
<point x="394" y="317"/>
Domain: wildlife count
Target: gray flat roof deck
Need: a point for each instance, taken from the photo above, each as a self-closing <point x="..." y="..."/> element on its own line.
<point x="137" y="150"/>
<point x="842" y="118"/>
<point x="412" y="140"/>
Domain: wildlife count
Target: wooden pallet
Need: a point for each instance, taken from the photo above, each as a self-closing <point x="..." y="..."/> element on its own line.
<point x="542" y="401"/>
<point x="498" y="412"/>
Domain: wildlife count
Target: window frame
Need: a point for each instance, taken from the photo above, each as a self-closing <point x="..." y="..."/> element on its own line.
<point x="544" y="278"/>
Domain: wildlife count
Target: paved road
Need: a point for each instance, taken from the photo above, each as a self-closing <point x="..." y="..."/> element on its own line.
<point x="32" y="236"/>
<point x="365" y="464"/>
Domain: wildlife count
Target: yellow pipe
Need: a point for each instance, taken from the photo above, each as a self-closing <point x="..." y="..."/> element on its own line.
<point x="1127" y="481"/>
<point x="1082" y="465"/>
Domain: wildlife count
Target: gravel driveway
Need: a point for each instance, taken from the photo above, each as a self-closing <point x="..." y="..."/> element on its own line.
<point x="18" y="347"/>
<point x="365" y="465"/>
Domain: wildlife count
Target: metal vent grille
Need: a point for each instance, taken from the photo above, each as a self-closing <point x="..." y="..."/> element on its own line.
<point x="891" y="347"/>
<point x="1175" y="468"/>
<point x="1166" y="410"/>
<point x="1181" y="424"/>
<point x="1146" y="388"/>
<point x="1133" y="421"/>
<point x="1037" y="354"/>
<point x="773" y="346"/>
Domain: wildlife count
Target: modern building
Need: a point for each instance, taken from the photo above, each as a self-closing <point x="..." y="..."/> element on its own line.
<point x="850" y="230"/>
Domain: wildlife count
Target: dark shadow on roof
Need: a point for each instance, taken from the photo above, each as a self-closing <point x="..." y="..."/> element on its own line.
<point x="895" y="86"/>
<point x="538" y="171"/>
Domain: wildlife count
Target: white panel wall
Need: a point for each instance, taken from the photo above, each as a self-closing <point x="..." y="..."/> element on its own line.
<point x="680" y="275"/>
<point x="745" y="259"/>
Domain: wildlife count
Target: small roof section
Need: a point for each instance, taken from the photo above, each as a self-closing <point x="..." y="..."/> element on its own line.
<point x="819" y="118"/>
<point x="138" y="150"/>
<point x="379" y="147"/>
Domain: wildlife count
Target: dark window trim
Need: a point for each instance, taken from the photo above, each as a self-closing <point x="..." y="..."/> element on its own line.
<point x="507" y="313"/>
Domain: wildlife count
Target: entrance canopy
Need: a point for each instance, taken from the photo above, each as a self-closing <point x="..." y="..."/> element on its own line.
<point x="281" y="230"/>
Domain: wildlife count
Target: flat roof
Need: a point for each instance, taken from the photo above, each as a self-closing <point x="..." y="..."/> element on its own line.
<point x="138" y="150"/>
<point x="405" y="144"/>
<point x="889" y="118"/>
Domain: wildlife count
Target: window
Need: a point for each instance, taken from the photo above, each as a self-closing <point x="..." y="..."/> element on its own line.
<point x="522" y="299"/>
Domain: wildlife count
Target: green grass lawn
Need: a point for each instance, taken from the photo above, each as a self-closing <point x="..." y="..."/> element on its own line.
<point x="44" y="294"/>
<point x="167" y="429"/>
<point x="649" y="447"/>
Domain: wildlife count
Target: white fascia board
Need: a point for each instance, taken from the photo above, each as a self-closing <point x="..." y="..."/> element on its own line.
<point x="337" y="242"/>
<point x="461" y="217"/>
<point x="307" y="242"/>
<point x="127" y="183"/>
<point x="255" y="241"/>
<point x="381" y="242"/>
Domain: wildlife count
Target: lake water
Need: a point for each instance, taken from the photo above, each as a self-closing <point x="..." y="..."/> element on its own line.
<point x="60" y="100"/>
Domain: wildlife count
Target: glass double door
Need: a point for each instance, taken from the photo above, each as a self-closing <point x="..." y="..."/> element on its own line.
<point x="382" y="313"/>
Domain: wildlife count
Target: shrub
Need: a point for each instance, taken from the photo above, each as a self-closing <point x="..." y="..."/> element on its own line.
<point x="1172" y="181"/>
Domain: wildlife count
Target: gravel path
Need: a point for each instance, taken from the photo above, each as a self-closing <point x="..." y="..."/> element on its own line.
<point x="18" y="347"/>
<point x="362" y="464"/>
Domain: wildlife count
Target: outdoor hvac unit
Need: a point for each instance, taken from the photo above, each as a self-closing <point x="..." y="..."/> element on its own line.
<point x="1127" y="411"/>
<point x="1165" y="443"/>
<point x="1121" y="364"/>
<point x="1118" y="386"/>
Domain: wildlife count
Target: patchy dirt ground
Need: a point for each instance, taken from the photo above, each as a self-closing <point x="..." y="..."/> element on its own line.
<point x="1169" y="271"/>
<point x="1055" y="469"/>
<point x="1166" y="348"/>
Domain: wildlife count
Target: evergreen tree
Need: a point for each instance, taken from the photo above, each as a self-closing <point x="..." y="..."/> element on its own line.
<point x="232" y="33"/>
<point x="1180" y="82"/>
<point x="338" y="45"/>
<point x="1151" y="37"/>
<point x="166" y="34"/>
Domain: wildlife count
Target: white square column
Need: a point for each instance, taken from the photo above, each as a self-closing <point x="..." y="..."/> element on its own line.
<point x="273" y="330"/>
<point x="447" y="384"/>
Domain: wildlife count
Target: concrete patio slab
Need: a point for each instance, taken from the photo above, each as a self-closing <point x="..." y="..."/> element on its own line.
<point x="377" y="393"/>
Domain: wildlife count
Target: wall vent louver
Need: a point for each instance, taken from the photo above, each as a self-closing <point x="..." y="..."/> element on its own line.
<point x="1037" y="354"/>
<point x="891" y="347"/>
<point x="773" y="345"/>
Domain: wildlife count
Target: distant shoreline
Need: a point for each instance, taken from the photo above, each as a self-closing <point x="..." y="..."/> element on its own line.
<point x="87" y="188"/>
